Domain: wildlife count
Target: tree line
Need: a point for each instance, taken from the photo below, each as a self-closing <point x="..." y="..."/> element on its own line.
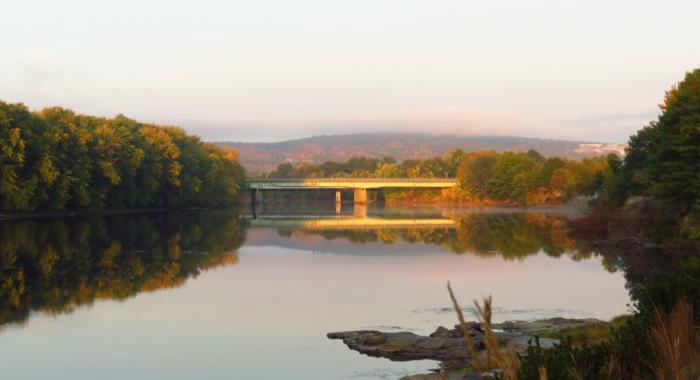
<point x="659" y="340"/>
<point x="663" y="158"/>
<point x="55" y="159"/>
<point x="661" y="162"/>
<point x="483" y="176"/>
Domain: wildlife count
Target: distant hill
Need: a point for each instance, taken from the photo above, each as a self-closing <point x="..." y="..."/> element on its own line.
<point x="266" y="156"/>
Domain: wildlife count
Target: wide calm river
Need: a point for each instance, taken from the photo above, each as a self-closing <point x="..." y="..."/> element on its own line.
<point x="225" y="295"/>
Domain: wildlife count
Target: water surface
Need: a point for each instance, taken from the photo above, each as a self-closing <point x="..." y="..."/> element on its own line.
<point x="220" y="295"/>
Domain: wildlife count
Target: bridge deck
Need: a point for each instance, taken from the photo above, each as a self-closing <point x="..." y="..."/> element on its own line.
<point x="349" y="183"/>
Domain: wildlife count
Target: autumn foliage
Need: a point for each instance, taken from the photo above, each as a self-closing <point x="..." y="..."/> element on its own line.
<point x="55" y="159"/>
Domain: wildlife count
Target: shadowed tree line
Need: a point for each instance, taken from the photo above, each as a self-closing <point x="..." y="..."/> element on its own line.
<point x="663" y="158"/>
<point x="661" y="339"/>
<point x="55" y="266"/>
<point x="55" y="159"/>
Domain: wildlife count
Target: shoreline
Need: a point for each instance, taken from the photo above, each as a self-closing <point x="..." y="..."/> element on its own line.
<point x="108" y="212"/>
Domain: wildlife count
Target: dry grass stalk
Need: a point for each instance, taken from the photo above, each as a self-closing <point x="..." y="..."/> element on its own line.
<point x="466" y="331"/>
<point x="674" y="341"/>
<point x="575" y="371"/>
<point x="506" y="359"/>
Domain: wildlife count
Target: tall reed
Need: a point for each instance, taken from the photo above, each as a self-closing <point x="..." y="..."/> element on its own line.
<point x="675" y="342"/>
<point x="506" y="359"/>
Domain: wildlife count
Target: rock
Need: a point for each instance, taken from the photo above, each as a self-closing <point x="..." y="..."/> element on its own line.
<point x="431" y="343"/>
<point x="375" y="339"/>
<point x="447" y="345"/>
<point x="402" y="346"/>
<point x="442" y="332"/>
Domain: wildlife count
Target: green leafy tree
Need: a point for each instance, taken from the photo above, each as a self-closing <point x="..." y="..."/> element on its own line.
<point x="474" y="172"/>
<point x="663" y="159"/>
<point x="56" y="160"/>
<point x="510" y="176"/>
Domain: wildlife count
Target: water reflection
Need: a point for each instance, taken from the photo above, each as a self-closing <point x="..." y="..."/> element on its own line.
<point x="300" y="275"/>
<point x="510" y="235"/>
<point x="54" y="266"/>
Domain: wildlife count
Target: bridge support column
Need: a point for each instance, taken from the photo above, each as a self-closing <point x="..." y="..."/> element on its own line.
<point x="338" y="201"/>
<point x="359" y="210"/>
<point x="360" y="196"/>
<point x="256" y="196"/>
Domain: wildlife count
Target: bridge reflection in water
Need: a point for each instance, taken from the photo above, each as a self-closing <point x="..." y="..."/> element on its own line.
<point x="346" y="222"/>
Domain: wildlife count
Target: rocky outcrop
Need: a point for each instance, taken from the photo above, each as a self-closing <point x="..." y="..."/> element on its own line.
<point x="447" y="345"/>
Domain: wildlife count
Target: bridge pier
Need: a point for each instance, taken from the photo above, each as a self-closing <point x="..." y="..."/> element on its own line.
<point x="338" y="201"/>
<point x="256" y="196"/>
<point x="360" y="196"/>
<point x="359" y="210"/>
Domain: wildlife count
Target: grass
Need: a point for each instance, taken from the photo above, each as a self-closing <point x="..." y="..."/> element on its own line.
<point x="588" y="334"/>
<point x="673" y="336"/>
<point x="676" y="343"/>
<point x="504" y="358"/>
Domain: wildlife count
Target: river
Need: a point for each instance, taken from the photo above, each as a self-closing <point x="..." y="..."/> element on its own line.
<point x="229" y="295"/>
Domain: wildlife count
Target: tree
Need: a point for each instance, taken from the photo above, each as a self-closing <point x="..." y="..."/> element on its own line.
<point x="509" y="179"/>
<point x="453" y="159"/>
<point x="283" y="171"/>
<point x="663" y="159"/>
<point x="55" y="159"/>
<point x="474" y="172"/>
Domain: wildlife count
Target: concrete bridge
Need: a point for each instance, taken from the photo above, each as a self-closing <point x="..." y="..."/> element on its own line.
<point x="358" y="185"/>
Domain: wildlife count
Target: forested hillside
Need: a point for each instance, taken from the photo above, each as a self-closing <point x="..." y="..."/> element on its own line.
<point x="55" y="159"/>
<point x="402" y="146"/>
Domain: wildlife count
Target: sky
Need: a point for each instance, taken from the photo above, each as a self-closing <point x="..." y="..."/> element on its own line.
<point x="272" y="70"/>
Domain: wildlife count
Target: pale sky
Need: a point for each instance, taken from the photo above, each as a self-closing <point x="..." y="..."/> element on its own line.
<point x="270" y="70"/>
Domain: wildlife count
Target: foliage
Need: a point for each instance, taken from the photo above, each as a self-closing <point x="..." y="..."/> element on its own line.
<point x="474" y="172"/>
<point x="55" y="159"/>
<point x="663" y="159"/>
<point x="484" y="177"/>
<point x="589" y="333"/>
<point x="635" y="348"/>
<point x="564" y="361"/>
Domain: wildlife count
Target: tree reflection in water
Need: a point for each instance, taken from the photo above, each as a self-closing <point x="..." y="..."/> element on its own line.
<point x="509" y="235"/>
<point x="55" y="266"/>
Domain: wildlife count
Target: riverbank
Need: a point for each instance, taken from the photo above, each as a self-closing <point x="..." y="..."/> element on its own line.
<point x="112" y="212"/>
<point x="448" y="347"/>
